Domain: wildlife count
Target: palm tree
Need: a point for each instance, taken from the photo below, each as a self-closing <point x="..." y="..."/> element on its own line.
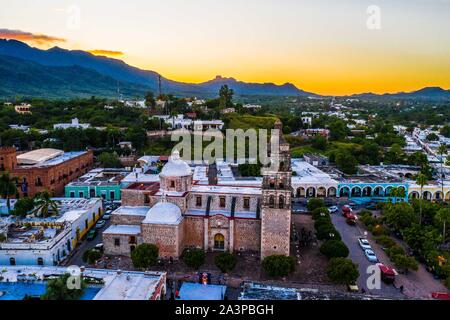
<point x="443" y="216"/>
<point x="44" y="206"/>
<point x="442" y="150"/>
<point x="8" y="188"/>
<point x="421" y="180"/>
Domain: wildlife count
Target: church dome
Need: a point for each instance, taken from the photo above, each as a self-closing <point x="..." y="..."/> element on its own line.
<point x="163" y="212"/>
<point x="176" y="167"/>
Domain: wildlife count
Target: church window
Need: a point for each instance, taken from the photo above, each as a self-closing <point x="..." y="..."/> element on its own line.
<point x="281" y="202"/>
<point x="271" y="201"/>
<point x="198" y="201"/>
<point x="222" y="202"/>
<point x="246" y="203"/>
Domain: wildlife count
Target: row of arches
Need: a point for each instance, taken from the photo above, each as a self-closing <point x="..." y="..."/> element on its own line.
<point x="368" y="191"/>
<point x="320" y="192"/>
<point x="438" y="195"/>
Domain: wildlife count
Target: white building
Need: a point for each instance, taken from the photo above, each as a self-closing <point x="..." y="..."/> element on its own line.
<point x="47" y="241"/>
<point x="73" y="124"/>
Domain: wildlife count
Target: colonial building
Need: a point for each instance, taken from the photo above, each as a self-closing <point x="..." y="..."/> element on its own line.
<point x="178" y="211"/>
<point x="44" y="169"/>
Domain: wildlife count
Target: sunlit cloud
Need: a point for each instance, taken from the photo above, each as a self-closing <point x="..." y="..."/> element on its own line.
<point x="34" y="38"/>
<point x="108" y="53"/>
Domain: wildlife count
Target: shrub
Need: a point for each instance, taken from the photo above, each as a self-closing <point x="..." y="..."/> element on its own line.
<point x="322" y="221"/>
<point x="404" y="263"/>
<point x="327" y="232"/>
<point x="315" y="203"/>
<point x="145" y="255"/>
<point x="2" y="238"/>
<point x="342" y="271"/>
<point x="225" y="261"/>
<point x="395" y="250"/>
<point x="334" y="249"/>
<point x="91" y="255"/>
<point x="194" y="258"/>
<point x="278" y="265"/>
<point x="447" y="282"/>
<point x="379" y="230"/>
<point x="320" y="212"/>
<point x="385" y="241"/>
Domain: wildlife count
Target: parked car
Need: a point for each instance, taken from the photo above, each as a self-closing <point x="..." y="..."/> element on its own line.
<point x="353" y="287"/>
<point x="387" y="274"/>
<point x="353" y="205"/>
<point x="91" y="234"/>
<point x="364" y="244"/>
<point x="346" y="210"/>
<point x="370" y="255"/>
<point x="333" y="209"/>
<point x="99" y="247"/>
<point x="106" y="216"/>
<point x="100" y="224"/>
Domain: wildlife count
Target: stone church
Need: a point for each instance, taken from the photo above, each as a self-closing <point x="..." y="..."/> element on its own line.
<point x="176" y="211"/>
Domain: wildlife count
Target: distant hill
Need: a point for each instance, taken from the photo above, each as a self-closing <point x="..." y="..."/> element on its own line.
<point x="19" y="77"/>
<point x="427" y="93"/>
<point x="241" y="88"/>
<point x="124" y="73"/>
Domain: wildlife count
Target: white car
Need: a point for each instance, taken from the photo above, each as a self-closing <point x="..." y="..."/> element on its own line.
<point x="100" y="224"/>
<point x="333" y="209"/>
<point x="370" y="255"/>
<point x="106" y="216"/>
<point x="364" y="244"/>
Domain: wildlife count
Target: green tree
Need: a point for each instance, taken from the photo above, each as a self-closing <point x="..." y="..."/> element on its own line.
<point x="445" y="131"/>
<point x="432" y="137"/>
<point x="404" y="263"/>
<point x="145" y="255"/>
<point x="194" y="258"/>
<point x="278" y="265"/>
<point x="442" y="150"/>
<point x="44" y="205"/>
<point x="225" y="97"/>
<point x="399" y="215"/>
<point x="109" y="160"/>
<point x="346" y="162"/>
<point x="91" y="255"/>
<point x="338" y="130"/>
<point x="225" y="261"/>
<point x="150" y="100"/>
<point x="342" y="271"/>
<point x="443" y="217"/>
<point x="421" y="180"/>
<point x="137" y="136"/>
<point x="23" y="206"/>
<point x="8" y="188"/>
<point x="319" y="142"/>
<point x="334" y="249"/>
<point x="58" y="289"/>
<point x="315" y="203"/>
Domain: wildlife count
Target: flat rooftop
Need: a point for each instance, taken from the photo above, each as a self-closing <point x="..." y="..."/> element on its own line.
<point x="123" y="285"/>
<point x="197" y="291"/>
<point x="132" y="211"/>
<point x="51" y="159"/>
<point x="123" y="229"/>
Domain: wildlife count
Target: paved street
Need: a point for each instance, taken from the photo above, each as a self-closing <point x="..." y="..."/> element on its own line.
<point x="350" y="236"/>
<point x="77" y="257"/>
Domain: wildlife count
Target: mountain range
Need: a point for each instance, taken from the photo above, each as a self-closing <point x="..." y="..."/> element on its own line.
<point x="128" y="78"/>
<point x="61" y="73"/>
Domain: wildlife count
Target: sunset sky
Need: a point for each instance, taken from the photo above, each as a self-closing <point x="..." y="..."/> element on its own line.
<point x="320" y="46"/>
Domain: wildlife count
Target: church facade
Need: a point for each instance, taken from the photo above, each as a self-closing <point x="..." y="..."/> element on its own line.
<point x="178" y="212"/>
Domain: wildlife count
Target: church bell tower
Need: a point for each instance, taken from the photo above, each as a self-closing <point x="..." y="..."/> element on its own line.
<point x="276" y="198"/>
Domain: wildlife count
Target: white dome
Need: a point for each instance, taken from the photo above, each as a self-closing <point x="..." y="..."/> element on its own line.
<point x="176" y="167"/>
<point x="163" y="213"/>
